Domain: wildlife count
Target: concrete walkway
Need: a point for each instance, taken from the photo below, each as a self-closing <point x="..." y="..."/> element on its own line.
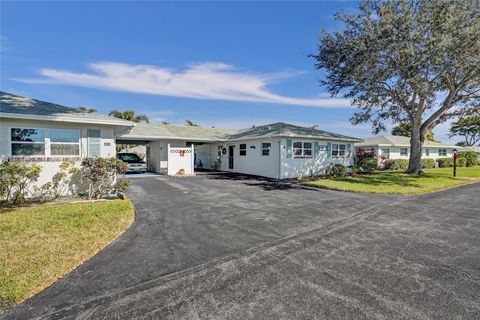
<point x="235" y="247"/>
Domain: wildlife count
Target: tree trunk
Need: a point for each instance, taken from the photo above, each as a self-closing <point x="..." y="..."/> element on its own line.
<point x="416" y="143"/>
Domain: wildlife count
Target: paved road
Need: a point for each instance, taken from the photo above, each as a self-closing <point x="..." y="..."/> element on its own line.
<point x="222" y="246"/>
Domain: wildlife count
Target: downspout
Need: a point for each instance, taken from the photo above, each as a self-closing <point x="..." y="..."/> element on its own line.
<point x="280" y="159"/>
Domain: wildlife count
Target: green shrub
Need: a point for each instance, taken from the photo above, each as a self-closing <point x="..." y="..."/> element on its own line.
<point x="368" y="165"/>
<point x="445" y="162"/>
<point x="470" y="157"/>
<point x="100" y="173"/>
<point x="428" y="163"/>
<point x="397" y="164"/>
<point x="336" y="170"/>
<point x="16" y="180"/>
<point x="461" y="162"/>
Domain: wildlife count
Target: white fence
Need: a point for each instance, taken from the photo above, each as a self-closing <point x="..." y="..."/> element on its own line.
<point x="180" y="161"/>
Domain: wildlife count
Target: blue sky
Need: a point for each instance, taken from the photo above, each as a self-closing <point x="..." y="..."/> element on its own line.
<point x="223" y="64"/>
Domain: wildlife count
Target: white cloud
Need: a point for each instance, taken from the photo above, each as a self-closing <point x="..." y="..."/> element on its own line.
<point x="211" y="80"/>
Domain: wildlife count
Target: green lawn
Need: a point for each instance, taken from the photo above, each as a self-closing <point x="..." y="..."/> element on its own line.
<point x="401" y="183"/>
<point x="40" y="244"/>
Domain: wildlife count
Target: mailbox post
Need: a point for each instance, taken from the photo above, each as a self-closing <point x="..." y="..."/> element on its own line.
<point x="454" y="162"/>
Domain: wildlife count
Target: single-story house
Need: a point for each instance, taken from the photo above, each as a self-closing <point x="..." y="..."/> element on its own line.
<point x="47" y="133"/>
<point x="398" y="147"/>
<point x="277" y="150"/>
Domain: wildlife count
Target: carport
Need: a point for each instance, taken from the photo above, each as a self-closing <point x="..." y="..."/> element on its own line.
<point x="166" y="157"/>
<point x="174" y="149"/>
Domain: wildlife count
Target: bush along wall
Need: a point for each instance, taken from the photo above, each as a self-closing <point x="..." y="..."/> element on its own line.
<point x="397" y="164"/>
<point x="428" y="163"/>
<point x="470" y="157"/>
<point x="445" y="162"/>
<point x="19" y="180"/>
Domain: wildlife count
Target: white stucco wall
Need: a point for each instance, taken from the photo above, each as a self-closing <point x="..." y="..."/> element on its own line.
<point x="50" y="166"/>
<point x="295" y="167"/>
<point x="158" y="154"/>
<point x="395" y="152"/>
<point x="253" y="162"/>
<point x="277" y="165"/>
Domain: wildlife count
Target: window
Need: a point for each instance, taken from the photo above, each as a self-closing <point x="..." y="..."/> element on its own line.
<point x="27" y="142"/>
<point x="44" y="142"/>
<point x="386" y="153"/>
<point x="64" y="142"/>
<point x="129" y="157"/>
<point x="93" y="140"/>
<point x="403" y="152"/>
<point x="266" y="148"/>
<point x="442" y="152"/>
<point x="338" y="150"/>
<point x="243" y="149"/>
<point x="302" y="149"/>
<point x="427" y="152"/>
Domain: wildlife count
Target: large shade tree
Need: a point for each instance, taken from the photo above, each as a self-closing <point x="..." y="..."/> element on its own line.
<point x="405" y="129"/>
<point x="415" y="61"/>
<point x="129" y="115"/>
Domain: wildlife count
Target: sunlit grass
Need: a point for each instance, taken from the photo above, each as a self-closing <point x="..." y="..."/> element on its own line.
<point x="401" y="183"/>
<point x="40" y="244"/>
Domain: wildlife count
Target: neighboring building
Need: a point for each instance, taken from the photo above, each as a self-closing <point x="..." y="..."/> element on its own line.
<point x="398" y="147"/>
<point x="46" y="133"/>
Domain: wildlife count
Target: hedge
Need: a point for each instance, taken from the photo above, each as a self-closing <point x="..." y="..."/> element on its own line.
<point x="428" y="163"/>
<point x="368" y="165"/>
<point x="397" y="164"/>
<point x="448" y="162"/>
<point x="470" y="158"/>
<point x="445" y="162"/>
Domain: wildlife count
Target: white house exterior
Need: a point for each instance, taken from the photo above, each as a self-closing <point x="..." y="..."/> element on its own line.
<point x="398" y="147"/>
<point x="48" y="134"/>
<point x="277" y="150"/>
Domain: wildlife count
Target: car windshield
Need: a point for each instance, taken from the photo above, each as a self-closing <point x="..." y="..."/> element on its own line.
<point x="129" y="157"/>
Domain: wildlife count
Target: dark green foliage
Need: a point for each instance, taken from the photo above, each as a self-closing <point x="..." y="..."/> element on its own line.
<point x="17" y="180"/>
<point x="461" y="162"/>
<point x="428" y="163"/>
<point x="415" y="61"/>
<point x="336" y="170"/>
<point x="445" y="162"/>
<point x="467" y="127"/>
<point x="405" y="129"/>
<point x="368" y="165"/>
<point x="397" y="164"/>
<point x="129" y="115"/>
<point x="471" y="158"/>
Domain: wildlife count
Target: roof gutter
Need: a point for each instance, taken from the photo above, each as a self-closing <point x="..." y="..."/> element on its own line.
<point x="123" y="123"/>
<point x="349" y="139"/>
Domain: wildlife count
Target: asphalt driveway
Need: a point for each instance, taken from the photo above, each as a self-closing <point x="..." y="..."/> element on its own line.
<point x="220" y="246"/>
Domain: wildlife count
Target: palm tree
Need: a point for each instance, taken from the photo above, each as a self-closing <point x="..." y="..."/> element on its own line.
<point x="129" y="115"/>
<point x="85" y="109"/>
<point x="191" y="124"/>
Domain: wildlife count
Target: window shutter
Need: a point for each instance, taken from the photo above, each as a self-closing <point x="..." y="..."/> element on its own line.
<point x="329" y="149"/>
<point x="316" y="150"/>
<point x="93" y="140"/>
<point x="349" y="150"/>
<point x="289" y="148"/>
